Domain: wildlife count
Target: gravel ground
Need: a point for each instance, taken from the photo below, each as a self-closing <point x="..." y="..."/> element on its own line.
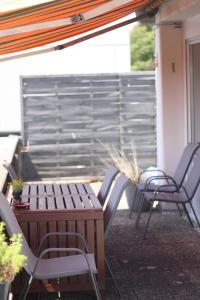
<point x="165" y="266"/>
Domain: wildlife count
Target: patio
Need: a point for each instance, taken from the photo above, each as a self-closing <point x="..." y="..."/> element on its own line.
<point x="165" y="266"/>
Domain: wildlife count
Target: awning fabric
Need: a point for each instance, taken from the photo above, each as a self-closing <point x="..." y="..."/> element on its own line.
<point x="25" y="27"/>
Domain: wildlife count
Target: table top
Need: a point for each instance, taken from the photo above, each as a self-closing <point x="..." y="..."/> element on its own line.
<point x="59" y="197"/>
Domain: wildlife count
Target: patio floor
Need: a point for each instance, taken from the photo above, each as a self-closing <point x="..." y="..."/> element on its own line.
<point x="166" y="266"/>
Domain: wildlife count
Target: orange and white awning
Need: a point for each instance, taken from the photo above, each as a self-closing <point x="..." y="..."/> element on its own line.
<point x="24" y="26"/>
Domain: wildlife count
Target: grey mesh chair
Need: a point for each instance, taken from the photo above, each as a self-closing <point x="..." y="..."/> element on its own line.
<point x="10" y="170"/>
<point x="110" y="174"/>
<point x="176" y="180"/>
<point x="120" y="185"/>
<point x="42" y="269"/>
<point x="183" y="196"/>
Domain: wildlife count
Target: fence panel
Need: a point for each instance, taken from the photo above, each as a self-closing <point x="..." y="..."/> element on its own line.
<point x="66" y="118"/>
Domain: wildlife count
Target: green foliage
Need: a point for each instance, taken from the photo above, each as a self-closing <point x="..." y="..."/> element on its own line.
<point x="142" y="47"/>
<point x="17" y="185"/>
<point x="11" y="258"/>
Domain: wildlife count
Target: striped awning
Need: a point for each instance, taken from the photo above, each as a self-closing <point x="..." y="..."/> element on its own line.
<point x="24" y="26"/>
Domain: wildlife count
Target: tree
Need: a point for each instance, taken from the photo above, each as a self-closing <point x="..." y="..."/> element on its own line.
<point x="142" y="47"/>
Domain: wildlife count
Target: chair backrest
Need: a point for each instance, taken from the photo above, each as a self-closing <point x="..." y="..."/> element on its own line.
<point x="10" y="170"/>
<point x="185" y="162"/>
<point x="12" y="227"/>
<point x="106" y="185"/>
<point x="121" y="183"/>
<point x="193" y="178"/>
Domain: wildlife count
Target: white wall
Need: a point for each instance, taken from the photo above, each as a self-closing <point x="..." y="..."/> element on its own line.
<point x="107" y="53"/>
<point x="172" y="91"/>
<point x="170" y="97"/>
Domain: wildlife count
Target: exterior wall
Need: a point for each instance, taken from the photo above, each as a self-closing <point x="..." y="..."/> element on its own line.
<point x="172" y="91"/>
<point x="108" y="53"/>
<point x="171" y="76"/>
<point x="171" y="107"/>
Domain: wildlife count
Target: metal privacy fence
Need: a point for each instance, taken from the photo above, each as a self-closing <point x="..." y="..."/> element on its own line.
<point x="66" y="118"/>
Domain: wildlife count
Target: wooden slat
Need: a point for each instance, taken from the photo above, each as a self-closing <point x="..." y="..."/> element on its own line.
<point x="86" y="201"/>
<point x="68" y="202"/>
<point x="72" y="188"/>
<point x="80" y="188"/>
<point x="33" y="195"/>
<point x="90" y="236"/>
<point x="65" y="189"/>
<point x="33" y="236"/>
<point x="77" y="202"/>
<point x="25" y="193"/>
<point x="95" y="202"/>
<point x="71" y="227"/>
<point x="42" y="203"/>
<point x="100" y="253"/>
<point x="57" y="189"/>
<point x="59" y="202"/>
<point x="49" y="190"/>
<point x="51" y="203"/>
<point x="88" y="188"/>
<point x="42" y="230"/>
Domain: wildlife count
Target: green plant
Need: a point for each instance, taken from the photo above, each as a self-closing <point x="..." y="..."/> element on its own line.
<point x="126" y="165"/>
<point x="142" y="47"/>
<point x="11" y="258"/>
<point x="17" y="185"/>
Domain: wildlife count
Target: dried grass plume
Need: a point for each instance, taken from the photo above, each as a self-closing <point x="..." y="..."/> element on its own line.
<point x="126" y="165"/>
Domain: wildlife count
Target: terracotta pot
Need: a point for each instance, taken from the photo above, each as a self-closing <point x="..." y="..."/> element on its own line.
<point x="4" y="289"/>
<point x="17" y="195"/>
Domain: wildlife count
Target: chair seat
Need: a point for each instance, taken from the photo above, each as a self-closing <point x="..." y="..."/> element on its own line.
<point x="167" y="197"/>
<point x="65" y="266"/>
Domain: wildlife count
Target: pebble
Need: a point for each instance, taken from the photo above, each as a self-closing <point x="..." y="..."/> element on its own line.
<point x="151" y="267"/>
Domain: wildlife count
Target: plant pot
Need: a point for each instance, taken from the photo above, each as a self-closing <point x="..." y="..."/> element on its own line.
<point x="130" y="193"/>
<point x="4" y="289"/>
<point x="17" y="195"/>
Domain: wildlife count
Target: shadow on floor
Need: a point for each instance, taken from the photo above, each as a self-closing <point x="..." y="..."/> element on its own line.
<point x="166" y="266"/>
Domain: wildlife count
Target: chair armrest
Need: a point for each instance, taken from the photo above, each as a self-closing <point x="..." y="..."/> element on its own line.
<point x="60" y="250"/>
<point x="149" y="170"/>
<point x="159" y="188"/>
<point x="152" y="178"/>
<point x="61" y="234"/>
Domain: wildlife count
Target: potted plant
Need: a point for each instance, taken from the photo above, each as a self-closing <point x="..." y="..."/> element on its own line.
<point x="11" y="260"/>
<point x="17" y="187"/>
<point x="128" y="166"/>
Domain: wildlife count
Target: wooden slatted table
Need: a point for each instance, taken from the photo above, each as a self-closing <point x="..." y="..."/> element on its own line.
<point x="63" y="207"/>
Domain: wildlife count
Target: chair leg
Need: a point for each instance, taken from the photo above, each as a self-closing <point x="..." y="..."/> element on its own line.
<point x="139" y="212"/>
<point x="187" y="214"/>
<point x="133" y="202"/>
<point x="180" y="213"/>
<point x="195" y="214"/>
<point x="26" y="289"/>
<point x="147" y="224"/>
<point x="95" y="285"/>
<point x="113" y="278"/>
